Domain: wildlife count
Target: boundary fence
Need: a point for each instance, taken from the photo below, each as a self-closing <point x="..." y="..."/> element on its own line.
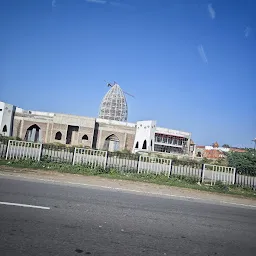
<point x="12" y="149"/>
<point x="154" y="165"/>
<point x="90" y="157"/>
<point x="215" y="173"/>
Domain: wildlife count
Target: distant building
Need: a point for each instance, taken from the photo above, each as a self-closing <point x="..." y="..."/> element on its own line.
<point x="215" y="152"/>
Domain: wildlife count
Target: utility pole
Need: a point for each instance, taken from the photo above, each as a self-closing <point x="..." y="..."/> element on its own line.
<point x="254" y="140"/>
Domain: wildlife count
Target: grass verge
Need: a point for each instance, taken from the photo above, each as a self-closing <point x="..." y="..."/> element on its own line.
<point x="174" y="180"/>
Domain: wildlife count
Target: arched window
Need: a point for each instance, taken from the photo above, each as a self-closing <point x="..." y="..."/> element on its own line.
<point x="85" y="137"/>
<point x="144" y="145"/>
<point x="33" y="133"/>
<point x="111" y="143"/>
<point x="5" y="128"/>
<point x="137" y="145"/>
<point x="58" y="136"/>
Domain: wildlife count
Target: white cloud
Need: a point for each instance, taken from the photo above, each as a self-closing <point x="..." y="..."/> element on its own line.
<point x="96" y="1"/>
<point x="202" y="54"/>
<point x="211" y="11"/>
<point x="54" y="3"/>
<point x="247" y="32"/>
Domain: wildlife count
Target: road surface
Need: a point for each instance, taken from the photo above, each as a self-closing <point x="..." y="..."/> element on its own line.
<point x="73" y="220"/>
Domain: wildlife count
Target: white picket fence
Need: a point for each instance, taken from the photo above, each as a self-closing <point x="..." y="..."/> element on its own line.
<point x="154" y="165"/>
<point x="91" y="157"/>
<point x="215" y="173"/>
<point x="185" y="170"/>
<point x="145" y="164"/>
<point x="23" y="150"/>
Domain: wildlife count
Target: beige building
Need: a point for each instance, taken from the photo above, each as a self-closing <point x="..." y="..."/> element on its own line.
<point x="73" y="130"/>
<point x="109" y="132"/>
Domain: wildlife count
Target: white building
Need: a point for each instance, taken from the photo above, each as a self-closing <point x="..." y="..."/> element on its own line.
<point x="150" y="138"/>
<point x="6" y="118"/>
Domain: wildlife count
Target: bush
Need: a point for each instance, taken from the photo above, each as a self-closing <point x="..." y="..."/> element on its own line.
<point x="3" y="138"/>
<point x="245" y="163"/>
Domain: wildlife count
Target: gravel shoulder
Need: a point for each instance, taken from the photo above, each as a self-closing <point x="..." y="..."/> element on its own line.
<point x="125" y="186"/>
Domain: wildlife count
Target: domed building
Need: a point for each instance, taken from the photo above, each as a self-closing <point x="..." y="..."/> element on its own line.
<point x="114" y="105"/>
<point x="215" y="144"/>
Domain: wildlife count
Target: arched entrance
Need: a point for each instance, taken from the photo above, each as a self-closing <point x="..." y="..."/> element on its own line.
<point x="4" y="131"/>
<point x="58" y="136"/>
<point x="33" y="133"/>
<point x="144" y="145"/>
<point x="111" y="143"/>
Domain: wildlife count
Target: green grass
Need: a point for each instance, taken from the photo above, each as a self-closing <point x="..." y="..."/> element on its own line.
<point x="174" y="180"/>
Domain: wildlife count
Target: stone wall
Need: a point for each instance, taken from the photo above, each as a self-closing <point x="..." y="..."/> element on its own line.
<point x="16" y="131"/>
<point x="124" y="133"/>
<point x="86" y="128"/>
<point x="83" y="132"/>
<point x="54" y="129"/>
<point x="41" y="125"/>
<point x="129" y="141"/>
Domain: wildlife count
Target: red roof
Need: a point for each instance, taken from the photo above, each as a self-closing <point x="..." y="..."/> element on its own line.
<point x="213" y="154"/>
<point x="240" y="150"/>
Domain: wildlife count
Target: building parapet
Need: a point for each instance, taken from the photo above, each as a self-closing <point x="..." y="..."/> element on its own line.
<point x="172" y="132"/>
<point x="113" y="122"/>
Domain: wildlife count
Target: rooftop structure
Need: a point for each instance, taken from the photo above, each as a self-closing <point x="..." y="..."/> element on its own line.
<point x="114" y="105"/>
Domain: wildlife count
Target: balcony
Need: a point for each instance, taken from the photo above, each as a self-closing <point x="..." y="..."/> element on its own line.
<point x="172" y="141"/>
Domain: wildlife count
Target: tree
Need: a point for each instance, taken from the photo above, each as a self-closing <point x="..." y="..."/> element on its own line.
<point x="245" y="163"/>
<point x="225" y="146"/>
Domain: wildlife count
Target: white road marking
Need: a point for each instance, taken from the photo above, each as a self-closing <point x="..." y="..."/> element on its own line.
<point x="247" y="205"/>
<point x="129" y="190"/>
<point x="26" y="205"/>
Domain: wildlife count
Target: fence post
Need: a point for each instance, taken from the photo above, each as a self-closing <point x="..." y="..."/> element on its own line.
<point x="170" y="173"/>
<point x="40" y="152"/>
<point x="234" y="177"/>
<point x="202" y="173"/>
<point x="106" y="160"/>
<point x="137" y="167"/>
<point x="7" y="151"/>
<point x="170" y="169"/>
<point x="139" y="163"/>
<point x="74" y="156"/>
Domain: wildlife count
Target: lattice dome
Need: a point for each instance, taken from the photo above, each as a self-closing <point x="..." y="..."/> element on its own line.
<point x="114" y="105"/>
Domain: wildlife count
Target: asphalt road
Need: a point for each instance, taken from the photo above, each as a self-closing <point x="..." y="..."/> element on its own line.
<point x="82" y="221"/>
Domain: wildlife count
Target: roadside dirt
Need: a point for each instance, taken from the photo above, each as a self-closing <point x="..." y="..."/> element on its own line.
<point x="125" y="185"/>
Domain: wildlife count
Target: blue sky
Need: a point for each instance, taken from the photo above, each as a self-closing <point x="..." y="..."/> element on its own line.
<point x="190" y="64"/>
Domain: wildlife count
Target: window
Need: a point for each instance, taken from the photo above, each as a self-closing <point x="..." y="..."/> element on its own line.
<point x="58" y="136"/>
<point x="111" y="143"/>
<point x="137" y="145"/>
<point x="144" y="145"/>
<point x="5" y="128"/>
<point x="33" y="133"/>
<point x="1" y="109"/>
<point x="85" y="137"/>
